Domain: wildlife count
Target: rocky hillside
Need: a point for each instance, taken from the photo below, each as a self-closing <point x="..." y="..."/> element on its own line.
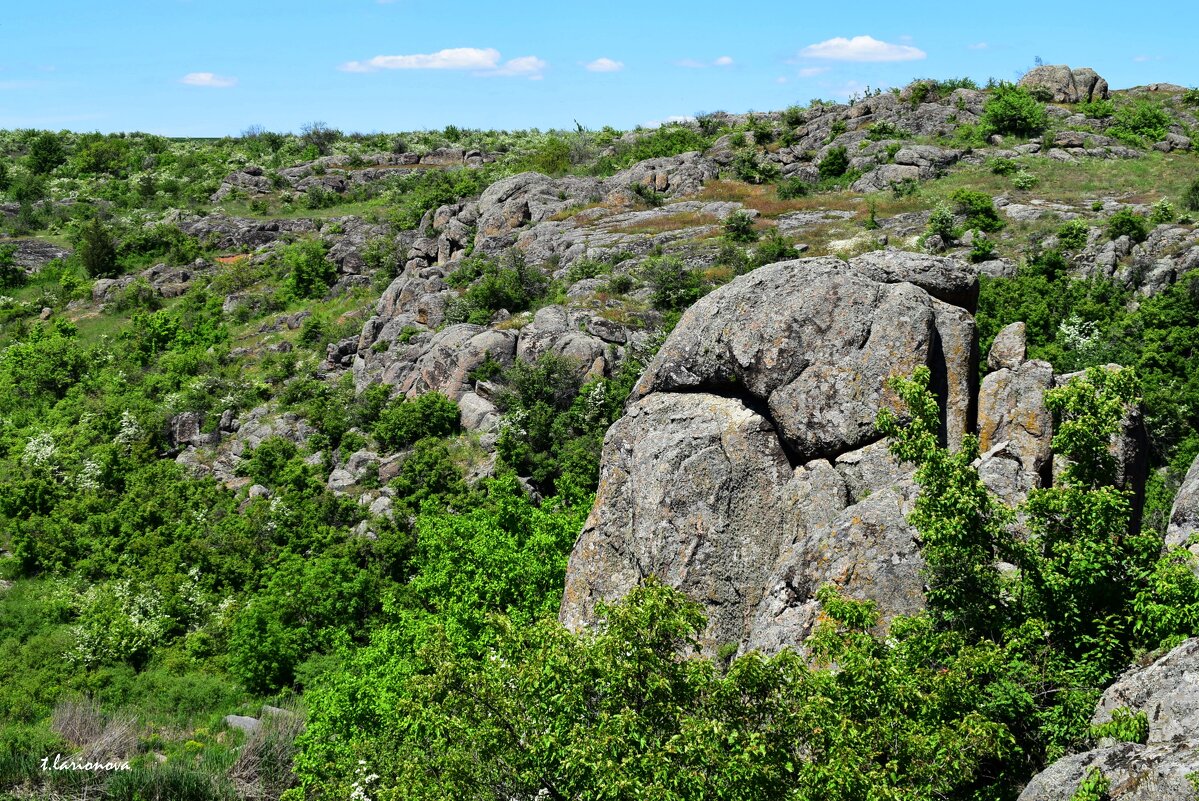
<point x="456" y="448"/>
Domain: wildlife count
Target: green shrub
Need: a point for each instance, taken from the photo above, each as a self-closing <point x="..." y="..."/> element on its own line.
<point x="1127" y="222"/>
<point x="1097" y="109"/>
<point x="1002" y="166"/>
<point x="675" y="286"/>
<point x="647" y="194"/>
<point x="97" y="252"/>
<point x="666" y="140"/>
<point x="979" y="209"/>
<point x="834" y="164"/>
<point x="404" y="422"/>
<point x="981" y="249"/>
<point x="514" y="288"/>
<point x="1010" y="109"/>
<point x="885" y="130"/>
<point x="773" y="248"/>
<point x="1163" y="212"/>
<point x="309" y="273"/>
<point x="792" y="188"/>
<point x="143" y="245"/>
<point x="1190" y="197"/>
<point x="1140" y="122"/>
<point x="1073" y="234"/>
<point x="942" y="222"/>
<point x="751" y="169"/>
<point x="46" y="152"/>
<point x="11" y="275"/>
<point x="1024" y="180"/>
<point x="739" y="227"/>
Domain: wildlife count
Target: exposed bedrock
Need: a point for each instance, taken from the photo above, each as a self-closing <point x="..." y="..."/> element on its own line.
<point x="747" y="470"/>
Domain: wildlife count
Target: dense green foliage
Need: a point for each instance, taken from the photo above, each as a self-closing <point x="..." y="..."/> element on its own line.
<point x="999" y="676"/>
<point x="1140" y="122"/>
<point x="411" y="621"/>
<point x="1011" y="109"/>
<point x="404" y="422"/>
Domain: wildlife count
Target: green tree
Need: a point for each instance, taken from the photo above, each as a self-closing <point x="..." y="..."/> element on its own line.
<point x="308" y="271"/>
<point x="97" y="251"/>
<point x="405" y="421"/>
<point x="45" y="153"/>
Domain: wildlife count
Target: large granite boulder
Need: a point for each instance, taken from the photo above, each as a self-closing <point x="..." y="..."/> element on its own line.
<point x="817" y="357"/>
<point x="1065" y="85"/>
<point x="691" y="490"/>
<point x="748" y="471"/>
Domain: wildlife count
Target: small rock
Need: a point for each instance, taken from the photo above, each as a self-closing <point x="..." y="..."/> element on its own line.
<point x="243" y="722"/>
<point x="1009" y="348"/>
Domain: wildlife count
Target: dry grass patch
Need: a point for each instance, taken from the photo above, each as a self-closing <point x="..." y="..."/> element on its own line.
<point x="668" y="222"/>
<point x="764" y="198"/>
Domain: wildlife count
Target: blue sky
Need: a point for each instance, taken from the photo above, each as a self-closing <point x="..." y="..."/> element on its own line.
<point x="214" y="67"/>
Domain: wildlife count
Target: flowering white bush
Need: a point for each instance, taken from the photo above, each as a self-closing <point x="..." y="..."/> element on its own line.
<point x="116" y="623"/>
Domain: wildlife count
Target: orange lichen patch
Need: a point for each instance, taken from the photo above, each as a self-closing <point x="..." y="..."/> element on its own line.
<point x="233" y="259"/>
<point x="668" y="222"/>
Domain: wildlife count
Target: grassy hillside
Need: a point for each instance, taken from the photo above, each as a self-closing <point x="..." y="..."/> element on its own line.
<point x="410" y="648"/>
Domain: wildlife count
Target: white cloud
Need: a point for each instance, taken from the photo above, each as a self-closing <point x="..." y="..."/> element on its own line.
<point x="978" y="46"/>
<point x="530" y="67"/>
<point x="454" y="58"/>
<point x="208" y="79"/>
<point x="696" y="64"/>
<point x="862" y="48"/>
<point x="481" y="61"/>
<point x="781" y="79"/>
<point x="604" y="65"/>
<point x="809" y="72"/>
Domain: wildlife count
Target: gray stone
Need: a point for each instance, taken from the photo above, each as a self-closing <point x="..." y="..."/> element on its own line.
<point x="1009" y="348"/>
<point x="1184" y="516"/>
<point x="1065" y="85"/>
<point x="949" y="280"/>
<point x="247" y="724"/>
<point x="691" y="490"/>
<point x="1167" y="691"/>
<point x="867" y="551"/>
<point x="819" y="355"/>
<point x="1011" y="409"/>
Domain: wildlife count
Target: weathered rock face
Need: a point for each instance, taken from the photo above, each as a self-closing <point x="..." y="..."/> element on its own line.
<point x="1011" y="409"/>
<point x="748" y="472"/>
<point x="692" y="491"/>
<point x="1080" y="85"/>
<point x="1168" y="693"/>
<point x="819" y="355"/>
<point x="1184" y="516"/>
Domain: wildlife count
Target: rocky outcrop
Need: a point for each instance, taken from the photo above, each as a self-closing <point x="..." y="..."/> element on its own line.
<point x="34" y="254"/>
<point x="1184" y="516"/>
<point x="1167" y="691"/>
<point x="692" y="490"/>
<point x="1149" y="267"/>
<point x="817" y="357"/>
<point x="1064" y="85"/>
<point x="747" y="470"/>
